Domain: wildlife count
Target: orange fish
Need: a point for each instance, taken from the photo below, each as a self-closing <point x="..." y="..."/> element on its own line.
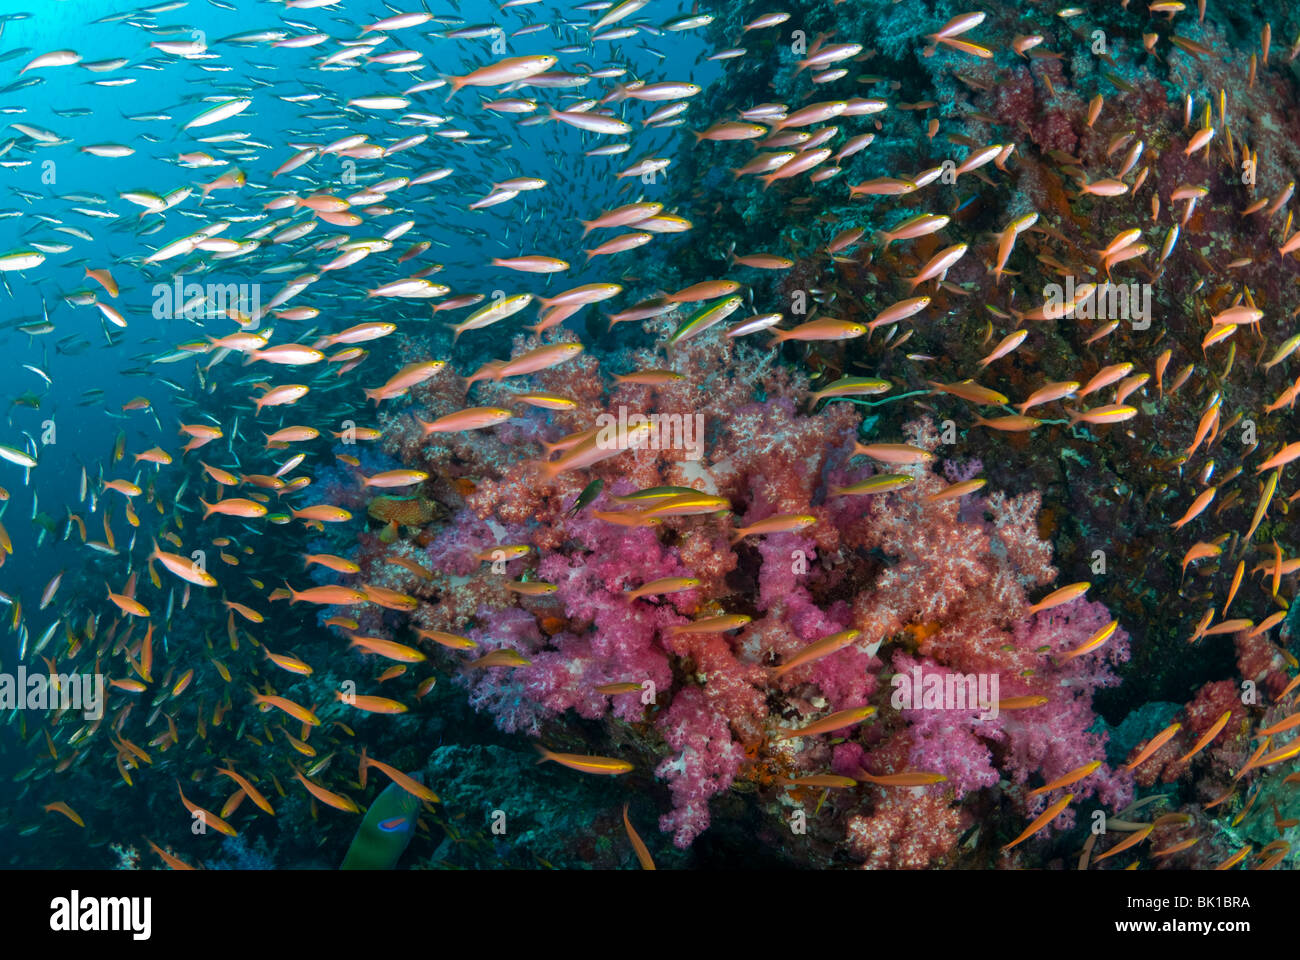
<point x="206" y="817"/>
<point x="60" y="807"/>
<point x="836" y="721"/>
<point x="1062" y="596"/>
<point x="1156" y="742"/>
<point x="608" y="766"/>
<point x="327" y="797"/>
<point x="387" y="648"/>
<point x="1042" y="820"/>
<point x="505" y="657"/>
<point x="1022" y="703"/>
<point x="329" y="595"/>
<point x="248" y="788"/>
<point x="175" y="863"/>
<point x="409" y="784"/>
<point x="911" y="778"/>
<point x="298" y="712"/>
<point x="781" y="523"/>
<point x="1132" y="840"/>
<point x="370" y="704"/>
<point x="1066" y="779"/>
<point x="450" y="640"/>
<point x="642" y="851"/>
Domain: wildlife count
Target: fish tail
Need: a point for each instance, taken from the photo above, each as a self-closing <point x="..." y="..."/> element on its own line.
<point x="545" y="754"/>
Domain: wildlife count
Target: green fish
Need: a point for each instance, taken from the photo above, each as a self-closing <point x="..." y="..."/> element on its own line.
<point x="853" y="387"/>
<point x="715" y="312"/>
<point x="385" y="832"/>
<point x="589" y="493"/>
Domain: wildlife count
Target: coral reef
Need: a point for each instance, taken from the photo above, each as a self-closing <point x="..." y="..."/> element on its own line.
<point x="933" y="585"/>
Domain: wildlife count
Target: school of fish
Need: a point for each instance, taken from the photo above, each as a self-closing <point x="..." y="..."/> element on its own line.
<point x="341" y="218"/>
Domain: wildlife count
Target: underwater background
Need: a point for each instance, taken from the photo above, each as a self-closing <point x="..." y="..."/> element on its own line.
<point x="958" y="535"/>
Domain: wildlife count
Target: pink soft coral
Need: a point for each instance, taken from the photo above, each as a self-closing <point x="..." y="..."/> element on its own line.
<point x="953" y="576"/>
<point x="907" y="830"/>
<point x="704" y="763"/>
